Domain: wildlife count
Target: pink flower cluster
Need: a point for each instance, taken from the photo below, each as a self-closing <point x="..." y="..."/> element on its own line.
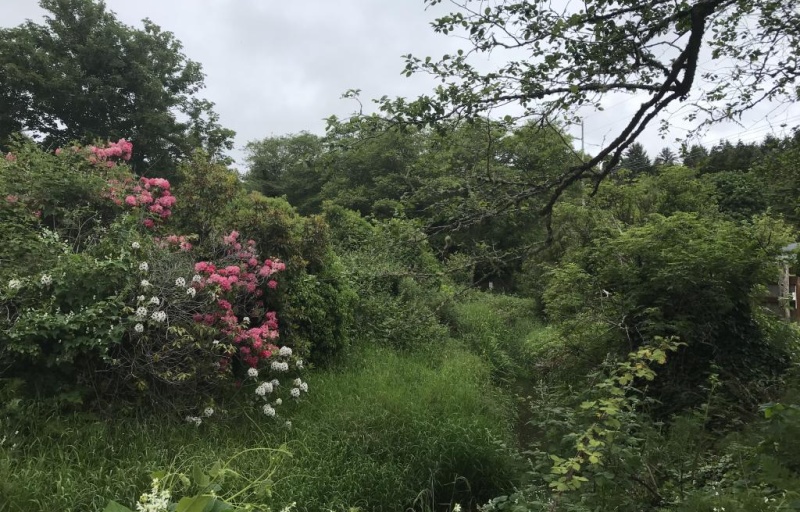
<point x="120" y="149"/>
<point x="181" y="242"/>
<point x="153" y="194"/>
<point x="243" y="276"/>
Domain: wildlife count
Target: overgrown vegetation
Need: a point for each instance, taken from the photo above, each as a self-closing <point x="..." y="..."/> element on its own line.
<point x="396" y="315"/>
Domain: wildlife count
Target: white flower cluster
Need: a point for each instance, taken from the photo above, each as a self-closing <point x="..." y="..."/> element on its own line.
<point x="138" y="328"/>
<point x="275" y="383"/>
<point x="197" y="278"/>
<point x="46" y="280"/>
<point x="154" y="501"/>
<point x="252" y="372"/>
<point x="285" y="351"/>
<point x="145" y="283"/>
<point x="246" y="320"/>
<point x="144" y="267"/>
<point x="15" y="284"/>
<point x="279" y="366"/>
<point x="295" y="392"/>
<point x="194" y="419"/>
<point x="278" y="401"/>
<point x="299" y="364"/>
<point x="191" y="292"/>
<point x="208" y="412"/>
<point x="154" y="300"/>
<point x="264" y="388"/>
<point x="304" y="387"/>
<point x="141" y="298"/>
<point x="180" y="282"/>
<point x="141" y="313"/>
<point x="159" y="316"/>
<point x="269" y="411"/>
<point x="135" y="245"/>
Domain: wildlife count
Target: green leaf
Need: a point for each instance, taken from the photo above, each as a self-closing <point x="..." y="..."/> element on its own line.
<point x="113" y="506"/>
<point x="195" y="503"/>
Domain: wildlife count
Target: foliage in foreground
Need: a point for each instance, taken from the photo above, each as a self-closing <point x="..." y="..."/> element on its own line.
<point x="383" y="431"/>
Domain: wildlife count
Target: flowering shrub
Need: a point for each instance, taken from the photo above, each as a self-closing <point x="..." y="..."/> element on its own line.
<point x="122" y="299"/>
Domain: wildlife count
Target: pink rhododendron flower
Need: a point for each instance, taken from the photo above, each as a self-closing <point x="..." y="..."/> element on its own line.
<point x="272" y="283"/>
<point x="148" y="223"/>
<point x="130" y="201"/>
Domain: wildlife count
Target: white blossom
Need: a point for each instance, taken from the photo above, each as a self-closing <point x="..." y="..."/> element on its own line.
<point x="159" y="316"/>
<point x="197" y="278"/>
<point x="278" y="401"/>
<point x="191" y="292"/>
<point x="180" y="282"/>
<point x="295" y="392"/>
<point x="15" y="284"/>
<point x="138" y="328"/>
<point x="141" y="312"/>
<point x="144" y="267"/>
<point x="246" y="320"/>
<point x="252" y="372"/>
<point x="264" y="388"/>
<point x="268" y="410"/>
<point x="279" y="366"/>
<point x="145" y="283"/>
<point x="46" y="280"/>
<point x="299" y="364"/>
<point x="297" y="382"/>
<point x="208" y="411"/>
<point x="288" y="424"/>
<point x="304" y="387"/>
<point x="285" y="351"/>
<point x="194" y="419"/>
<point x="154" y="300"/>
<point x="141" y="298"/>
<point x="275" y="383"/>
<point x="135" y="245"/>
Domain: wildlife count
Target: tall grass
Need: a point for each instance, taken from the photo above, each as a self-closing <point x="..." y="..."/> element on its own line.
<point x="385" y="431"/>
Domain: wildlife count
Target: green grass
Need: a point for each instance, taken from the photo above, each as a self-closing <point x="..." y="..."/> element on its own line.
<point x="386" y="431"/>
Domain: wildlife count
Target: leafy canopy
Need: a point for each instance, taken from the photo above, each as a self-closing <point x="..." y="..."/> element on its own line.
<point x="83" y="76"/>
<point x="559" y="56"/>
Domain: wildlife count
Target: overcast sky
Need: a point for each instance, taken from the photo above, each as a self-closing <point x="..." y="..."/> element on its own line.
<point x="277" y="67"/>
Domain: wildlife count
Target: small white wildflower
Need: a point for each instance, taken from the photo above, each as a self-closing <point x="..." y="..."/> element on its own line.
<point x="180" y="282"/>
<point x="154" y="501"/>
<point x="135" y="245"/>
<point x="299" y="364"/>
<point x="264" y="388"/>
<point x="295" y="392"/>
<point x="297" y="382"/>
<point x="138" y="328"/>
<point x="456" y="508"/>
<point x="246" y="320"/>
<point x="141" y="312"/>
<point x="208" y="411"/>
<point x="268" y="410"/>
<point x="144" y="267"/>
<point x="252" y="372"/>
<point x="285" y="351"/>
<point x="215" y="342"/>
<point x="154" y="300"/>
<point x="46" y="280"/>
<point x="191" y="292"/>
<point x="278" y="401"/>
<point x="304" y="387"/>
<point x="194" y="419"/>
<point x="15" y="284"/>
<point x="145" y="283"/>
<point x="159" y="316"/>
<point x="197" y="278"/>
<point x="141" y="298"/>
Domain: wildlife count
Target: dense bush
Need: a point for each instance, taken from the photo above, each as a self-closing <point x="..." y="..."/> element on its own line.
<point x="118" y="301"/>
<point x="686" y="276"/>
